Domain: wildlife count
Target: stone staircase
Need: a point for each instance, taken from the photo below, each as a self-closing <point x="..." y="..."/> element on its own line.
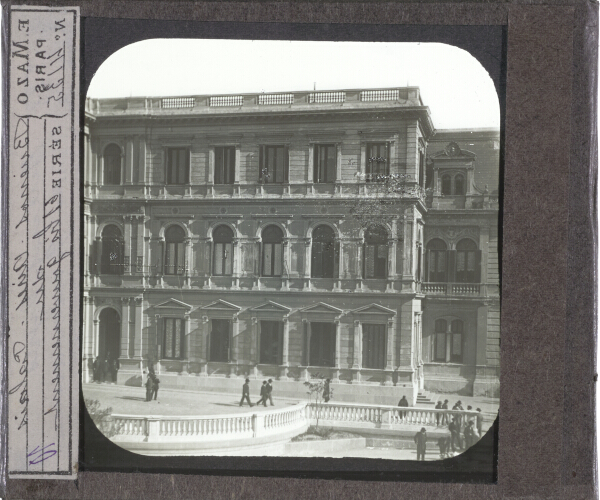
<point x="425" y="398"/>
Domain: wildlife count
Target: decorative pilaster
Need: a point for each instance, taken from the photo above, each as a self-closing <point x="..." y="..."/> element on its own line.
<point x="255" y="347"/>
<point x="285" y="350"/>
<point x="389" y="366"/>
<point x="138" y="343"/>
<point x="338" y="351"/>
<point x="307" y="263"/>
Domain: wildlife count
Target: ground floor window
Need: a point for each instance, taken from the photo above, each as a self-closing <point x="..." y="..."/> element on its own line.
<point x="448" y="341"/>
<point x="374" y="346"/>
<point x="271" y="334"/>
<point x="173" y="340"/>
<point x="322" y="344"/>
<point x="219" y="340"/>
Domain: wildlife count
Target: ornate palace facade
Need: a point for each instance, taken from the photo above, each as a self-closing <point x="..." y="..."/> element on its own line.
<point x="291" y="235"/>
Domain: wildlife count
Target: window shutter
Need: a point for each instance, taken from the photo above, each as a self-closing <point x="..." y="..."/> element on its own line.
<point x="331" y="163"/>
<point x="336" y="260"/>
<point x="286" y="164"/>
<point x="451" y="277"/>
<point x="478" y="266"/>
<point x="261" y="163"/>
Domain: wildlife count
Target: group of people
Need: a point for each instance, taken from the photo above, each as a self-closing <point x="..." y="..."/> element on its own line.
<point x="266" y="393"/>
<point x="105" y="369"/>
<point x="464" y="432"/>
<point x="152" y="383"/>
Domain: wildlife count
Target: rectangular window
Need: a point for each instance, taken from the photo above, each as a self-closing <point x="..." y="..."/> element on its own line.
<point x="178" y="166"/>
<point x="376" y="257"/>
<point x="325" y="163"/>
<point x="223" y="260"/>
<point x="322" y="344"/>
<point x="175" y="258"/>
<point x="174" y="338"/>
<point x="219" y="340"/>
<point x="272" y="259"/>
<point x="378" y="162"/>
<point x="273" y="164"/>
<point x="440" y="347"/>
<point x="374" y="346"/>
<point x="271" y="345"/>
<point x="224" y="165"/>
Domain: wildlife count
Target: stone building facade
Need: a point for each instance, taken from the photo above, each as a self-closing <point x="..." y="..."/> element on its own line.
<point x="223" y="239"/>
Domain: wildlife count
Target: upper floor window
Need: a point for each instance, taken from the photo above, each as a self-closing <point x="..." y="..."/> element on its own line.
<point x="437" y="265"/>
<point x="274" y="164"/>
<point x="223" y="251"/>
<point x="175" y="250"/>
<point x="225" y="165"/>
<point x="325" y="163"/>
<point x="178" y="166"/>
<point x="112" y="250"/>
<point x="376" y="253"/>
<point x="378" y="164"/>
<point x="174" y="338"/>
<point x="448" y="341"/>
<point x="323" y="252"/>
<point x="453" y="184"/>
<point x="112" y="165"/>
<point x="467" y="262"/>
<point x="272" y="251"/>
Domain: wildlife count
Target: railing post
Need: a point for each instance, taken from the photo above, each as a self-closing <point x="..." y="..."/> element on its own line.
<point x="153" y="427"/>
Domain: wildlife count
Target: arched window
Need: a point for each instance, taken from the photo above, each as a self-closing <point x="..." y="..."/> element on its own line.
<point x="223" y="251"/>
<point x="446" y="184"/>
<point x="112" y="165"/>
<point x="448" y="341"/>
<point x="437" y="261"/>
<point x="467" y="262"/>
<point x="376" y="253"/>
<point x="459" y="185"/>
<point x="272" y="251"/>
<point x="323" y="252"/>
<point x="112" y="250"/>
<point x="175" y="250"/>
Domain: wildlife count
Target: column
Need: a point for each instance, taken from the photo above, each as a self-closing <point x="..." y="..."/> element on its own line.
<point x="128" y="160"/>
<point x="360" y="245"/>
<point x="311" y="169"/>
<point x="306" y="348"/>
<point x="285" y="355"/>
<point x="188" y="262"/>
<point x="87" y="346"/>
<point x="233" y="358"/>
<point x="307" y="264"/>
<point x="338" y="354"/>
<point x="96" y="338"/>
<point x="286" y="263"/>
<point x="363" y="159"/>
<point x="391" y="264"/>
<point x="340" y="270"/>
<point x="357" y="351"/>
<point x="127" y="264"/>
<point x="236" y="178"/>
<point x="140" y="254"/>
<point x="254" y="346"/>
<point x="124" y="327"/>
<point x="138" y="344"/>
<point x="188" y="345"/>
<point x="236" y="264"/>
<point x="205" y="336"/>
<point x="390" y="349"/>
<point x="141" y="177"/>
<point x="338" y="168"/>
<point x="98" y="263"/>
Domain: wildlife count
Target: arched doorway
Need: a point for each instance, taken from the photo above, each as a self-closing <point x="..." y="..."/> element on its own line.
<point x="109" y="343"/>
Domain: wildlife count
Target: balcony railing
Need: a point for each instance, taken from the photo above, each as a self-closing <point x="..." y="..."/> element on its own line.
<point x="460" y="289"/>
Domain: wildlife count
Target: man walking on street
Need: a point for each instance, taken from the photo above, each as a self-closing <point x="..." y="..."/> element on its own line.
<point x="263" y="394"/>
<point x="246" y="393"/>
<point x="421" y="440"/>
<point x="155" y="383"/>
<point x="270" y="392"/>
<point x="479" y="423"/>
<point x="148" y="387"/>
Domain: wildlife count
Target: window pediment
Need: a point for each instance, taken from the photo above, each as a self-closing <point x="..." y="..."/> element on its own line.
<point x="321" y="310"/>
<point x="374" y="309"/>
<point x="221" y="306"/>
<point x="172" y="307"/>
<point x="270" y="308"/>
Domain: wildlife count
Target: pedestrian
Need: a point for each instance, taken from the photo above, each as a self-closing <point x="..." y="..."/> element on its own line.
<point x="438" y="414"/>
<point x="444" y="444"/>
<point x="155" y="383"/>
<point x="104" y="369"/>
<point x="469" y="435"/>
<point x="246" y="393"/>
<point x="148" y="387"/>
<point x="403" y="403"/>
<point x="479" y="422"/>
<point x="96" y="369"/>
<point x="326" y="390"/>
<point x="458" y="407"/>
<point x="421" y="440"/>
<point x="445" y="414"/>
<point x="113" y="365"/>
<point x="269" y="392"/>
<point x="263" y="394"/>
<point x="454" y="435"/>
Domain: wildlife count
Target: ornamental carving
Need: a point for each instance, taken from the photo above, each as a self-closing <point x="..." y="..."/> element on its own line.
<point x="452" y="234"/>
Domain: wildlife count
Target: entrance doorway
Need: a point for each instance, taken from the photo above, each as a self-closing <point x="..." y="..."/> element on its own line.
<point x="109" y="343"/>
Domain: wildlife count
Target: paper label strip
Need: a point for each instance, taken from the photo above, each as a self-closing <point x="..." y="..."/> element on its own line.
<point x="43" y="242"/>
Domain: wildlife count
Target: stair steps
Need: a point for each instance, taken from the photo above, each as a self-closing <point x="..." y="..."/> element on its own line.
<point x="426" y="398"/>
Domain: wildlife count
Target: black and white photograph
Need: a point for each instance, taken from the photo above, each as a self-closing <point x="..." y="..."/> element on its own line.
<point x="290" y="249"/>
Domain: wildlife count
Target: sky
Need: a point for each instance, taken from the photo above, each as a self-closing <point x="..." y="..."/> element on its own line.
<point x="457" y="89"/>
